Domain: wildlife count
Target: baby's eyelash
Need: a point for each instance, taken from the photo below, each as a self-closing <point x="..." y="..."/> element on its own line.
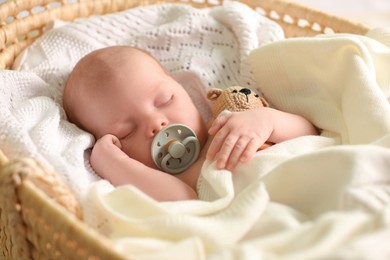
<point x="170" y="99"/>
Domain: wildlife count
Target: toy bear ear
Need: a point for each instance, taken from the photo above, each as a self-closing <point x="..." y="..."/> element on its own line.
<point x="214" y="93"/>
<point x="265" y="103"/>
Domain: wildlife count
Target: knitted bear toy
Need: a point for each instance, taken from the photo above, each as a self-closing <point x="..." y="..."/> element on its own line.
<point x="236" y="99"/>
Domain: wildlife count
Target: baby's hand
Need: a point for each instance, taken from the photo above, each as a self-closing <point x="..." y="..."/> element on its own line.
<point x="105" y="145"/>
<point x="238" y="135"/>
<point x="106" y="150"/>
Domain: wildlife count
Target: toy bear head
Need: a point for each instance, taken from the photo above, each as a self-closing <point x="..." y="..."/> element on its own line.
<point x="235" y="99"/>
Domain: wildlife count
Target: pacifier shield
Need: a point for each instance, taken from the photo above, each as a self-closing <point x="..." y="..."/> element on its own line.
<point x="175" y="148"/>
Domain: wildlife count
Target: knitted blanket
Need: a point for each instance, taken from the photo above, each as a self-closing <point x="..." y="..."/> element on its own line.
<point x="201" y="48"/>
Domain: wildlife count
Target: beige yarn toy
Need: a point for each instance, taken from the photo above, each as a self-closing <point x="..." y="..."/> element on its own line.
<point x="235" y="99"/>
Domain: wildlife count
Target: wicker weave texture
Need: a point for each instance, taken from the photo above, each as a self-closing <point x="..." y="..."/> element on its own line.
<point x="40" y="217"/>
<point x="36" y="220"/>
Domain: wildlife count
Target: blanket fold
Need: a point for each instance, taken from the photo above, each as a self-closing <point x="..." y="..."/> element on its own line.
<point x="334" y="81"/>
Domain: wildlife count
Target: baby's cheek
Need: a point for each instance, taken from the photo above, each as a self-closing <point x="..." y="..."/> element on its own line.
<point x="139" y="151"/>
<point x="126" y="147"/>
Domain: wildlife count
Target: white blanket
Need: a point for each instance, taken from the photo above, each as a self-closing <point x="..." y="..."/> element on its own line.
<point x="202" y="48"/>
<point x="314" y="197"/>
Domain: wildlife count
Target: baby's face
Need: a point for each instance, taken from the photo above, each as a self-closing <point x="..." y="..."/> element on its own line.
<point x="139" y="101"/>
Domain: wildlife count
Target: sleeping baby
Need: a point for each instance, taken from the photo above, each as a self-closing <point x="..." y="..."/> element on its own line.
<point x="124" y="97"/>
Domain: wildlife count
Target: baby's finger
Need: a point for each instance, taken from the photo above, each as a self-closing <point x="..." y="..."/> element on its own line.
<point x="116" y="141"/>
<point x="226" y="149"/>
<point x="219" y="122"/>
<point x="250" y="150"/>
<point x="239" y="148"/>
<point x="216" y="144"/>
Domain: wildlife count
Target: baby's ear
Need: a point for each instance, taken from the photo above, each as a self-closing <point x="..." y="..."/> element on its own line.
<point x="214" y="93"/>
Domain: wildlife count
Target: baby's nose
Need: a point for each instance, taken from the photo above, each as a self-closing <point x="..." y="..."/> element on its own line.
<point x="157" y="127"/>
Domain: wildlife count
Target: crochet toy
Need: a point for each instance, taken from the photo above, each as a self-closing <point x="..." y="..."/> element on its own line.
<point x="235" y="99"/>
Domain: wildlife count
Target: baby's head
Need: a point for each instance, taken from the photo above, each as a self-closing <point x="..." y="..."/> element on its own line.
<point x="125" y="92"/>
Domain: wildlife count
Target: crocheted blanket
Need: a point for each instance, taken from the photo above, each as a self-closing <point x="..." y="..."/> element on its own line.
<point x="201" y="48"/>
<point x="313" y="197"/>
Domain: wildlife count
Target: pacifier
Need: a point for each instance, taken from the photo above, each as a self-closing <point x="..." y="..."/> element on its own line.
<point x="175" y="148"/>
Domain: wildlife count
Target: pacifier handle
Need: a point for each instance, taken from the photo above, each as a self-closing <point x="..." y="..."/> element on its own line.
<point x="175" y="148"/>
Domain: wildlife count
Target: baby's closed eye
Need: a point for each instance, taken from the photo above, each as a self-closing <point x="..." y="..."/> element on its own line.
<point x="164" y="100"/>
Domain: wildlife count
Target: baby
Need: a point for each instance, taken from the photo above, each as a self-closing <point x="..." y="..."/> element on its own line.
<point x="124" y="97"/>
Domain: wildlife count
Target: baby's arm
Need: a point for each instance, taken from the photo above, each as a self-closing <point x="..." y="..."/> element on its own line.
<point x="112" y="164"/>
<point x="240" y="134"/>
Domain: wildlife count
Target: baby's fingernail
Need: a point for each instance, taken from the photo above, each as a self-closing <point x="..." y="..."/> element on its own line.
<point x="220" y="165"/>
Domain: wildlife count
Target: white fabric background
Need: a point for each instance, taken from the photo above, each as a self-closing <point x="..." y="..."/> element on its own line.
<point x="373" y="13"/>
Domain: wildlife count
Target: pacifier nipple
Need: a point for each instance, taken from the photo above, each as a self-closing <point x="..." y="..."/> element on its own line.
<point x="175" y="148"/>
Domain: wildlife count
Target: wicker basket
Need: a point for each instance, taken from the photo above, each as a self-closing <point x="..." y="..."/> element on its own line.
<point x="40" y="217"/>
